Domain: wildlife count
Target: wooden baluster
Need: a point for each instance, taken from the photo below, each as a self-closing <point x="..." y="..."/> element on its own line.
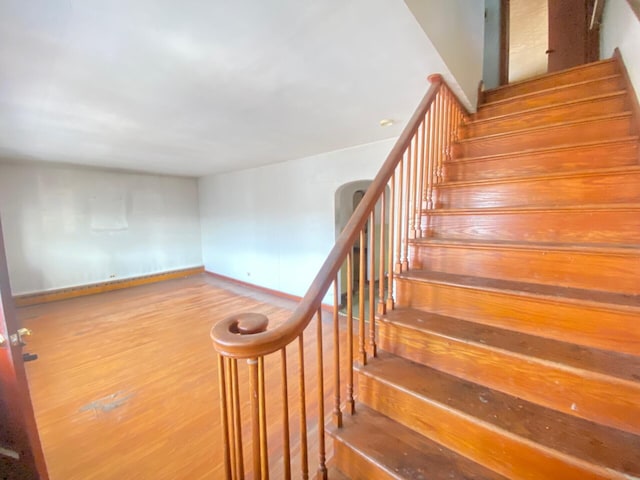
<point x="304" y="451"/>
<point x="443" y="128"/>
<point x="372" y="282"/>
<point x="431" y="146"/>
<point x="425" y="160"/>
<point x="237" y="423"/>
<point x="421" y="174"/>
<point x="350" y="401"/>
<point x="262" y="402"/>
<point x="286" y="445"/>
<point x="232" y="418"/>
<point x="436" y="146"/>
<point x="392" y="193"/>
<point x="436" y="141"/>
<point x="254" y="393"/>
<point x="222" y="388"/>
<point x="415" y="193"/>
<point x="361" y="312"/>
<point x="411" y="191"/>
<point x="406" y="214"/>
<point x="398" y="226"/>
<point x="450" y="122"/>
<point x="337" y="413"/>
<point x="322" y="467"/>
<point x="382" y="306"/>
<point x="447" y="124"/>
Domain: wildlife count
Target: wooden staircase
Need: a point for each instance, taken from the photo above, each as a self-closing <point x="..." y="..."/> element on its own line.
<point x="513" y="350"/>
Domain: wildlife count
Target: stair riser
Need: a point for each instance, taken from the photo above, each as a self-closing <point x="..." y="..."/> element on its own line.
<point x="553" y="136"/>
<point x="554" y="161"/>
<point x="560" y="113"/>
<point x="355" y="465"/>
<point x="555" y="318"/>
<point x="517" y="458"/>
<point x="597" y="226"/>
<point x="612" y="272"/>
<point x="544" y="192"/>
<point x="564" y="78"/>
<point x="598" y="398"/>
<point x="541" y="99"/>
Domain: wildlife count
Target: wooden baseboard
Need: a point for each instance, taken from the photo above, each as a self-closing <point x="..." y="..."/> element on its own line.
<point x="269" y="291"/>
<point x="94" y="288"/>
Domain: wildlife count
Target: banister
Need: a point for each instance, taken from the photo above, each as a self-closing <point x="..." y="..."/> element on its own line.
<point x="232" y="341"/>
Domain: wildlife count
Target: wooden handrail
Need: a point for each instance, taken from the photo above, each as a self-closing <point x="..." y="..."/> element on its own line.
<point x="409" y="179"/>
<point x="226" y="335"/>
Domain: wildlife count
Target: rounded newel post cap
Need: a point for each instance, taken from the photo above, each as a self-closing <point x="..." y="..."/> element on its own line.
<point x="250" y="323"/>
<point x="435" y="78"/>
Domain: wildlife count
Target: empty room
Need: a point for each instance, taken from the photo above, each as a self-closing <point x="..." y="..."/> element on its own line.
<point x="388" y="239"/>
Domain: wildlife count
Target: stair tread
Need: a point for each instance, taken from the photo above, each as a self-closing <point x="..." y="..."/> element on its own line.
<point x="628" y="139"/>
<point x="517" y="98"/>
<point x="550" y="106"/>
<point x="403" y="453"/>
<point x="549" y="126"/>
<point x="524" y="209"/>
<point x="572" y="436"/>
<point x="591" y="172"/>
<point x="614" y="364"/>
<point x="598" y="297"/>
<point x="584" y="66"/>
<point x="604" y="248"/>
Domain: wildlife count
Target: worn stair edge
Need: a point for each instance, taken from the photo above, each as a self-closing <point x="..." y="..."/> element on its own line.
<point x="470" y="416"/>
<point x="605" y="362"/>
<point x="596" y="298"/>
<point x="612" y="83"/>
<point x="611" y="270"/>
<point x="547" y="75"/>
<point x="476" y="355"/>
<point x="561" y="247"/>
<point x="386" y="449"/>
<point x="543" y="150"/>
<point x="507" y="116"/>
<point x="568" y="76"/>
<point x="540" y="316"/>
<point x="545" y="162"/>
<point x="591" y="172"/>
<point x="617" y="223"/>
<point x="524" y="209"/>
<point x="550" y="191"/>
<point x="541" y="128"/>
<point x="589" y="82"/>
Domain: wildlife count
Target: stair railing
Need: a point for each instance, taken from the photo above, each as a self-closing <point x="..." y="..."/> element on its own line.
<point x="393" y="211"/>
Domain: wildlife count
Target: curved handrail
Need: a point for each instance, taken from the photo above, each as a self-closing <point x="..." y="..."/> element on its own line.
<point x="228" y="338"/>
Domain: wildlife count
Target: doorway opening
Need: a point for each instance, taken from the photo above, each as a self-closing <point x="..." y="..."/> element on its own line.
<point x="347" y="198"/>
<point x="527" y="38"/>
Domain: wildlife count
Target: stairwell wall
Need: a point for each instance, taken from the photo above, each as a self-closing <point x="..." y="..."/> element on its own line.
<point x="621" y="28"/>
<point x="456" y="30"/>
<point x="273" y="226"/>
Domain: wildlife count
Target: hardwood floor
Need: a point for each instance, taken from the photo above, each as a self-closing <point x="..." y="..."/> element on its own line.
<point x="126" y="382"/>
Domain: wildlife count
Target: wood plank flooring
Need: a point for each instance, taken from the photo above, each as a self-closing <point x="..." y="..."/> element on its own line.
<point x="126" y="382"/>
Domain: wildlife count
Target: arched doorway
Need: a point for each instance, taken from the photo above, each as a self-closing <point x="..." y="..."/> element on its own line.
<point x="347" y="198"/>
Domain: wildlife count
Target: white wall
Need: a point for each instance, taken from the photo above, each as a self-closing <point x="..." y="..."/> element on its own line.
<point x="456" y="29"/>
<point x="273" y="226"/>
<point x="491" y="60"/>
<point x="621" y="28"/>
<point x="67" y="226"/>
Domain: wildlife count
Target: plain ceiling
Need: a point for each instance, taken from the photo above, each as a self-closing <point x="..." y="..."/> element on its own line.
<point x="200" y="87"/>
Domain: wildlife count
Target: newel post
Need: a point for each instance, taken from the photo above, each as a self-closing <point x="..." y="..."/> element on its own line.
<point x="243" y="324"/>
